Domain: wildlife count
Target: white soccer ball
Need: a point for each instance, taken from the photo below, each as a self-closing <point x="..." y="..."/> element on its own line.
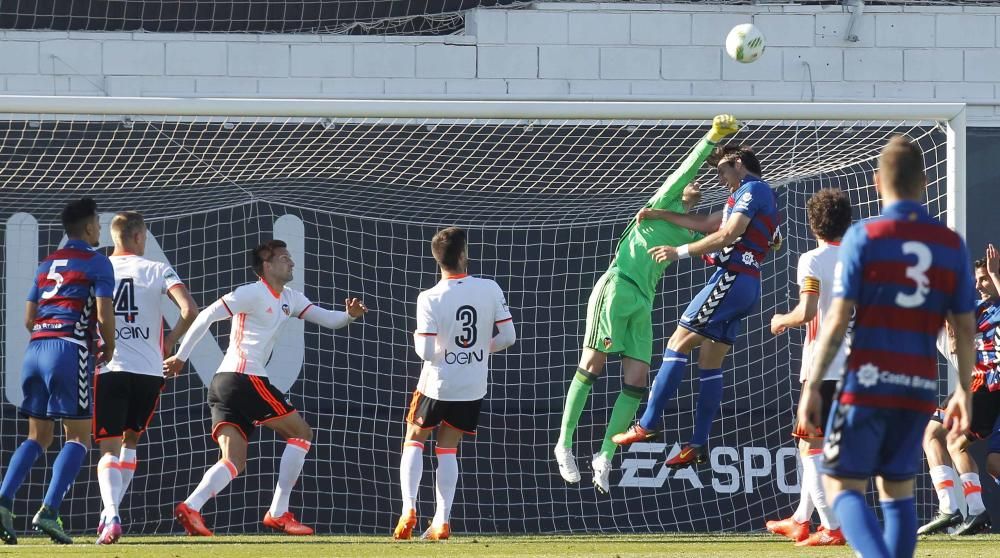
<point x="745" y="43"/>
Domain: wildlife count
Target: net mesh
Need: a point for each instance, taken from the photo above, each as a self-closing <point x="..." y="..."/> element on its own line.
<point x="358" y="201"/>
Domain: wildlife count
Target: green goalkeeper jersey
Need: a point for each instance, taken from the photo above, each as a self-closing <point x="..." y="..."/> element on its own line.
<point x="631" y="257"/>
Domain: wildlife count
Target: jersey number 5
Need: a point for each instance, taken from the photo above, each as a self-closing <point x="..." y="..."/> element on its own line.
<point x="918" y="273"/>
<point x="125" y="300"/>
<point x="467" y="315"/>
<point x="55" y="276"/>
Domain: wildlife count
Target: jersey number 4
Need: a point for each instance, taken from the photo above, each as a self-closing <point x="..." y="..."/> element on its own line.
<point x="125" y="300"/>
<point x="917" y="273"/>
<point x="467" y="316"/>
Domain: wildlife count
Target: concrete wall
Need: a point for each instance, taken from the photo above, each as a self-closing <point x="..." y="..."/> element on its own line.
<point x="559" y="49"/>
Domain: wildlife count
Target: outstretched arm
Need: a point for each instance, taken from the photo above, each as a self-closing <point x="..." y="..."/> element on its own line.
<point x="722" y="126"/>
<point x="803" y="313"/>
<point x="733" y="229"/>
<point x="217" y="311"/>
<point x="334" y="319"/>
<point x="704" y="223"/>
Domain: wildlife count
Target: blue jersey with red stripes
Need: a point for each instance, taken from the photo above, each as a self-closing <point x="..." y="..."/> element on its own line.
<point x="66" y="286"/>
<point x="905" y="271"/>
<point x="755" y="199"/>
<point x="987" y="372"/>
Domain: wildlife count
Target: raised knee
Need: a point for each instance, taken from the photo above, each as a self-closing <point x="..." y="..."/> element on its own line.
<point x="956" y="444"/>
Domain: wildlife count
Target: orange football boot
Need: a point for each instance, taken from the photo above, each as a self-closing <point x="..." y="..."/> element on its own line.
<point x="789" y="528"/>
<point x="191" y="520"/>
<point x="635" y="434"/>
<point x="824" y="537"/>
<point x="287" y="523"/>
<point x="404" y="528"/>
<point x="437" y="532"/>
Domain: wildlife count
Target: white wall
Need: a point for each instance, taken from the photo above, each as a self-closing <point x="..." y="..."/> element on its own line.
<point x="561" y="49"/>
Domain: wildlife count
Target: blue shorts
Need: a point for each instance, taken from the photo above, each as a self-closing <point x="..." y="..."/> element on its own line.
<point x="717" y="311"/>
<point x="55" y="380"/>
<point x="863" y="442"/>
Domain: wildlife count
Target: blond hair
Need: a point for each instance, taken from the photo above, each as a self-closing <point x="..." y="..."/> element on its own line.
<point x="125" y="224"/>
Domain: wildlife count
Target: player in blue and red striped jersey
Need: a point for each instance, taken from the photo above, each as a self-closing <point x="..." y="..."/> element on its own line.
<point x="72" y="293"/>
<point x="746" y="230"/>
<point x="984" y="424"/>
<point x="904" y="273"/>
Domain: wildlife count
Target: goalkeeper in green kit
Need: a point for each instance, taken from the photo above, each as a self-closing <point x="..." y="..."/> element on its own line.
<point x="619" y="312"/>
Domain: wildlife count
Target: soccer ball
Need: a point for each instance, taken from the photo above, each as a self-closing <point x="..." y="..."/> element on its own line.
<point x="745" y="43"/>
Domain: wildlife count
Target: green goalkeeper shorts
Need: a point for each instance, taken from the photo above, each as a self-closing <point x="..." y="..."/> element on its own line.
<point x="619" y="318"/>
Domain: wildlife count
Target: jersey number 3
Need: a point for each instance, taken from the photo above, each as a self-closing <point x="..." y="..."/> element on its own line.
<point x="467" y="315"/>
<point x="917" y="273"/>
<point x="125" y="300"/>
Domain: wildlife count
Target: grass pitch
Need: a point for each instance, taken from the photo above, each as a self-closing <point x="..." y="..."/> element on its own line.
<point x="474" y="546"/>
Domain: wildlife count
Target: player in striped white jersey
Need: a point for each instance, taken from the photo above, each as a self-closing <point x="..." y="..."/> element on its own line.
<point x="454" y="338"/>
<point x="829" y="213"/>
<point x="127" y="390"/>
<point x="241" y="397"/>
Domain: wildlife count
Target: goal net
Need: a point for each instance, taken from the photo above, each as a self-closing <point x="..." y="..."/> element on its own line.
<point x="357" y="189"/>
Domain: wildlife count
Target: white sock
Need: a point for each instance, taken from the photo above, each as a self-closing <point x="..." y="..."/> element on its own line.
<point x="411" y="468"/>
<point x="973" y="493"/>
<point x="109" y="479"/>
<point x="804" y="512"/>
<point x="943" y="478"/>
<point x="817" y="493"/>
<point x="216" y="478"/>
<point x="288" y="472"/>
<point x="447" y="481"/>
<point x="127" y="463"/>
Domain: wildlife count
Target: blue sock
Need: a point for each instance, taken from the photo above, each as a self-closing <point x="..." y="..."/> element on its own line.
<point x="859" y="525"/>
<point x="64" y="471"/>
<point x="900" y="518"/>
<point x="664" y="387"/>
<point x="24" y="457"/>
<point x="709" y="401"/>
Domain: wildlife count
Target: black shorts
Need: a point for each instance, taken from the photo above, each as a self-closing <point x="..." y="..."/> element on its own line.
<point x="985" y="411"/>
<point x="244" y="401"/>
<point x="124" y="401"/>
<point x="828" y="391"/>
<point x="428" y="413"/>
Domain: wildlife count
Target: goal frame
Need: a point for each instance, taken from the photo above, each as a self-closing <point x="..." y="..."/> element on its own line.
<point x="951" y="117"/>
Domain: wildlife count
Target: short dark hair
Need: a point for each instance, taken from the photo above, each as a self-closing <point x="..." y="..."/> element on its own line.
<point x="76" y="214"/>
<point x="901" y="164"/>
<point x="730" y="152"/>
<point x="448" y="245"/>
<point x="263" y="253"/>
<point x="980" y="263"/>
<point x="829" y="212"/>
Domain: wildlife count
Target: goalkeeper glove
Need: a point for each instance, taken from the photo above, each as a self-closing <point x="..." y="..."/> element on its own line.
<point x="723" y="125"/>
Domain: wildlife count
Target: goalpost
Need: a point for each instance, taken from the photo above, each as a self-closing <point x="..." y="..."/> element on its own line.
<point x="357" y="188"/>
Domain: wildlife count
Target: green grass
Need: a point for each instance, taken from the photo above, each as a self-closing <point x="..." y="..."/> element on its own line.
<point x="474" y="546"/>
